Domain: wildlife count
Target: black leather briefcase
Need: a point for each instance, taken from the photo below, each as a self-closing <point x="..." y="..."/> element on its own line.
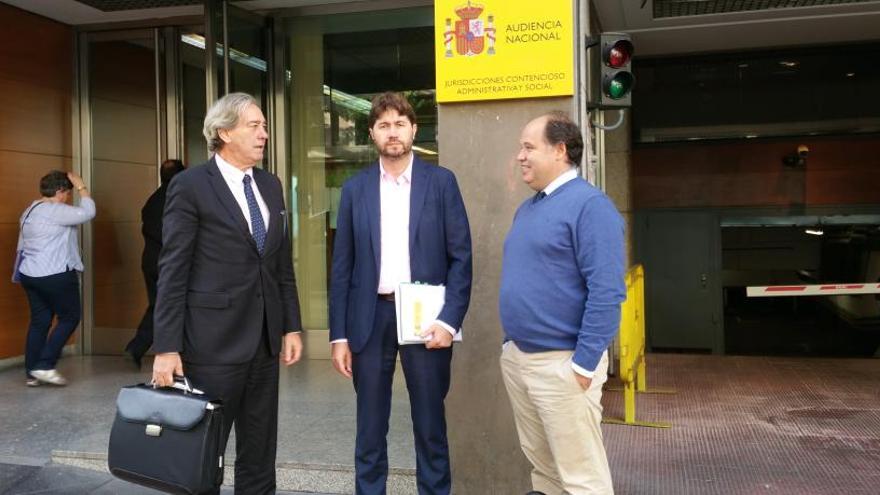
<point x="168" y="439"/>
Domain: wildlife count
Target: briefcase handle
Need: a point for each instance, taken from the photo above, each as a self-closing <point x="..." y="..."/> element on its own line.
<point x="181" y="382"/>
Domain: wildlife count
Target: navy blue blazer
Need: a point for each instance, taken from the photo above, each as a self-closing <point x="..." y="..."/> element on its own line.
<point x="439" y="249"/>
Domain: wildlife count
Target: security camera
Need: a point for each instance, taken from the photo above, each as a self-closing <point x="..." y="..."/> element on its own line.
<point x="798" y="158"/>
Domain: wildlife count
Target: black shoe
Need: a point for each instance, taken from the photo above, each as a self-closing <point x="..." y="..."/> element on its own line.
<point x="535" y="493"/>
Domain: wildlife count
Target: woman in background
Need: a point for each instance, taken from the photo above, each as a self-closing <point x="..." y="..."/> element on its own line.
<point x="50" y="262"/>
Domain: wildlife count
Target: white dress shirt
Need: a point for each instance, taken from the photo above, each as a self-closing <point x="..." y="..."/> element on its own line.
<point x="394" y="203"/>
<point x="234" y="178"/>
<point x="394" y="193"/>
<point x="564" y="177"/>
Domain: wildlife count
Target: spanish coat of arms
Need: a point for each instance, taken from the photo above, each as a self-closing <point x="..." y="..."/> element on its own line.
<point x="471" y="33"/>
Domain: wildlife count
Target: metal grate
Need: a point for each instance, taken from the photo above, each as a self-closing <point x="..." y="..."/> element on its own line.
<point x="117" y="5"/>
<point x="684" y="8"/>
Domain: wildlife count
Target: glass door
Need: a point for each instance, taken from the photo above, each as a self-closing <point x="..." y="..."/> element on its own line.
<point x="333" y="66"/>
<point x="192" y="93"/>
<point x="248" y="66"/>
<point x="121" y="154"/>
<point x="244" y="66"/>
<point x="143" y="98"/>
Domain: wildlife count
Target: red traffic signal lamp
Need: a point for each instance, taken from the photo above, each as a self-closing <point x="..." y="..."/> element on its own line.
<point x="612" y="75"/>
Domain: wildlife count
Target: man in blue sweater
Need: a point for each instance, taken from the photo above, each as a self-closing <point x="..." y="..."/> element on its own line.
<point x="562" y="283"/>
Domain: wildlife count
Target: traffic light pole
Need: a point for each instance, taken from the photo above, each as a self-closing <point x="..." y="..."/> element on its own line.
<point x="598" y="127"/>
<point x="620" y="116"/>
<point x="589" y="167"/>
<point x="592" y="167"/>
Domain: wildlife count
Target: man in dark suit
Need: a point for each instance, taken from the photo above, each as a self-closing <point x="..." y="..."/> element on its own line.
<point x="151" y="218"/>
<point x="400" y="220"/>
<point x="227" y="300"/>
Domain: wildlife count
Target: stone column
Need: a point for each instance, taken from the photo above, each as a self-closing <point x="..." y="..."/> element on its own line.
<point x="618" y="173"/>
<point x="479" y="141"/>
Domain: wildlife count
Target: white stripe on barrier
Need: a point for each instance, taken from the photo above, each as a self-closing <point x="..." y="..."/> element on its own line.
<point x="813" y="290"/>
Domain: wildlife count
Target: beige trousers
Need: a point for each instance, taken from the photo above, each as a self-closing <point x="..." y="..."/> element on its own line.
<point x="557" y="421"/>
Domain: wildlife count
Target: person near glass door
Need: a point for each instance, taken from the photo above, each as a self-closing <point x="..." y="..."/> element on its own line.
<point x="227" y="311"/>
<point x="151" y="217"/>
<point x="48" y="268"/>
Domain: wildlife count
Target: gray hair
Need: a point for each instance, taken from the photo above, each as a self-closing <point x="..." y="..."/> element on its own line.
<point x="224" y="114"/>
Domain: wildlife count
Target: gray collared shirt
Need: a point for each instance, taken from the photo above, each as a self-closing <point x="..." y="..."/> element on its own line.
<point x="48" y="237"/>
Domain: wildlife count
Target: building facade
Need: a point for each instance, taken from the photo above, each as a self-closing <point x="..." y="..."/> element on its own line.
<point x="111" y="90"/>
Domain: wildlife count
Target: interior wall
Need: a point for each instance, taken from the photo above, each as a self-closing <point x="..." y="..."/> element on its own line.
<point x="36" y="80"/>
<point x="838" y="171"/>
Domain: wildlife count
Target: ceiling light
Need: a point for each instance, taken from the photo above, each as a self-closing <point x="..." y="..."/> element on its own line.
<point x="816" y="231"/>
<point x="789" y="64"/>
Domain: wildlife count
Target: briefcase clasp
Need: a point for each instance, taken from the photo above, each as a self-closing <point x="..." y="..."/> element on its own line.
<point x="153" y="430"/>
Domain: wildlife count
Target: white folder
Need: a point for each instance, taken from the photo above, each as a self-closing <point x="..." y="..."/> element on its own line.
<point x="417" y="306"/>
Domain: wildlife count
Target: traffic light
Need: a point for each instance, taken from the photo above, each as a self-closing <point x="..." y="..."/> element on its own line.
<point x="612" y="76"/>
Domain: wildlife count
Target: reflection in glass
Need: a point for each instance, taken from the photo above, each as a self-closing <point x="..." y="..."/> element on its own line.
<point x="247" y="56"/>
<point x="336" y="65"/>
<point x="192" y="78"/>
<point x="247" y="73"/>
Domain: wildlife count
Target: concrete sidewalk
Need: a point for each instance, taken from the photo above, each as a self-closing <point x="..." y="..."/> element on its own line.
<point x="57" y="479"/>
<point x="70" y="425"/>
<point x="740" y="425"/>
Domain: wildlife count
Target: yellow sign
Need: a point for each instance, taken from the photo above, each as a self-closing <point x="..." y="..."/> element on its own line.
<point x="497" y="49"/>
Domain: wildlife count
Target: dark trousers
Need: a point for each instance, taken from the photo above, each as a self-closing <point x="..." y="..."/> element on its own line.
<point x="48" y="297"/>
<point x="427" y="380"/>
<point x="249" y="392"/>
<point x="143" y="339"/>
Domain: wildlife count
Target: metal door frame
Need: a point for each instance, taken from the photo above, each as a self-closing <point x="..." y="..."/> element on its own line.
<point x="219" y="34"/>
<point x="168" y="135"/>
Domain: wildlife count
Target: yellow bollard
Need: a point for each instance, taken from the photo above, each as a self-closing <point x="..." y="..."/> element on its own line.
<point x="632" y="349"/>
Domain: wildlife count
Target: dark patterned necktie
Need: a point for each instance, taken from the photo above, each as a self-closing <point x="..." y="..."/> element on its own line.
<point x="259" y="229"/>
<point x="538" y="197"/>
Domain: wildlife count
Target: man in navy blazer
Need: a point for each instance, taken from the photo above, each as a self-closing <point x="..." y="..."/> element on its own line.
<point x="400" y="220"/>
<point x="227" y="301"/>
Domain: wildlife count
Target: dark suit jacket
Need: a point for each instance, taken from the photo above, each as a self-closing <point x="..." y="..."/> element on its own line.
<point x="439" y="248"/>
<point x="151" y="217"/>
<point x="215" y="290"/>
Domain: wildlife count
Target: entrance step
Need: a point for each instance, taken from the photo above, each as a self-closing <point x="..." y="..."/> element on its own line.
<point x="291" y="476"/>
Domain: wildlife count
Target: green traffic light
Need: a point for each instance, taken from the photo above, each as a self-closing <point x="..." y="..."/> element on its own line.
<point x="619" y="85"/>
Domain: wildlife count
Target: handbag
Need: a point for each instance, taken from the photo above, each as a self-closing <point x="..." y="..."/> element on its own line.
<point x="16" y="270"/>
<point x="19" y="253"/>
<point x="168" y="439"/>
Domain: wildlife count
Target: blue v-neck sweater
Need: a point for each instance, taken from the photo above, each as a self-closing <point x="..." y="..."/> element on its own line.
<point x="562" y="277"/>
